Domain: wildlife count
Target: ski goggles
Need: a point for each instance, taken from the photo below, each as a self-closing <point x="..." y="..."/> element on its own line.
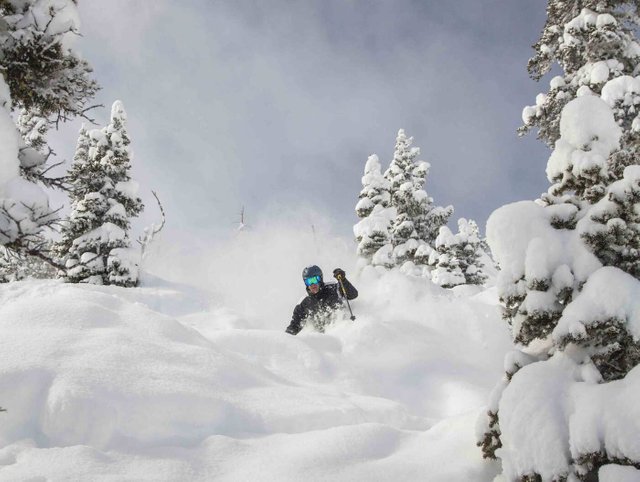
<point x="313" y="280"/>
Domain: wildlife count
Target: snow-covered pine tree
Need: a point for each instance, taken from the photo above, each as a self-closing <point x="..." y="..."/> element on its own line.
<point x="457" y="259"/>
<point x="42" y="71"/>
<point x="374" y="239"/>
<point x="611" y="229"/>
<point x="447" y="270"/>
<point x="85" y="178"/>
<point x="400" y="177"/>
<point x="96" y="244"/>
<point x="372" y="231"/>
<point x="375" y="188"/>
<point x="427" y="218"/>
<point x="417" y="220"/>
<point x="470" y="252"/>
<point x="593" y="42"/>
<point x="546" y="264"/>
<point x="33" y="154"/>
<point x="46" y="80"/>
<point x="590" y="137"/>
<point x="569" y="274"/>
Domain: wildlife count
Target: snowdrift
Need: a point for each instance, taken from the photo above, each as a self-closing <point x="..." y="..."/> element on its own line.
<point x="159" y="383"/>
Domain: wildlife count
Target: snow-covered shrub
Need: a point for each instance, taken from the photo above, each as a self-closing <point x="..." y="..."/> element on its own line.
<point x="95" y="246"/>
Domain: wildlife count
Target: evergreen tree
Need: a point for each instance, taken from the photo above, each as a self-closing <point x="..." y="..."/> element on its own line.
<point x="372" y="232"/>
<point x="43" y="72"/>
<point x="593" y="42"/>
<point x="591" y="207"/>
<point x="417" y="221"/>
<point x="84" y="178"/>
<point x="375" y="188"/>
<point x="456" y="260"/>
<point x="611" y="229"/>
<point x="448" y="270"/>
<point x="47" y="83"/>
<point x="470" y="252"/>
<point x="401" y="182"/>
<point x="95" y="244"/>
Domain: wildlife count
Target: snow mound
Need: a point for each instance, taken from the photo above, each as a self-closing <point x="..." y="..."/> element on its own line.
<point x="163" y="383"/>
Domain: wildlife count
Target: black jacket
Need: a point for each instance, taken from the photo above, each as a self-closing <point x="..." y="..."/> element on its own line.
<point x="326" y="301"/>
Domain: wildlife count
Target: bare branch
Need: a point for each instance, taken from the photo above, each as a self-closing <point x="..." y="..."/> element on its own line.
<point x="63" y="117"/>
<point x="150" y="233"/>
<point x="36" y="253"/>
<point x="51" y="167"/>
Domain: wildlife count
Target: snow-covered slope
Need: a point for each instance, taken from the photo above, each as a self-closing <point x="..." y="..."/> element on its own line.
<point x="162" y="383"/>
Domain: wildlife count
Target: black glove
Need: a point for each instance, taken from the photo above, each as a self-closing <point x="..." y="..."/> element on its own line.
<point x="291" y="330"/>
<point x="339" y="273"/>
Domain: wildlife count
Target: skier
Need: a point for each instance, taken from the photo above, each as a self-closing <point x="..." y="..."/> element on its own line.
<point x="322" y="299"/>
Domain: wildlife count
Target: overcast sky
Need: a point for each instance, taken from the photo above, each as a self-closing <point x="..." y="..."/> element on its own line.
<point x="278" y="103"/>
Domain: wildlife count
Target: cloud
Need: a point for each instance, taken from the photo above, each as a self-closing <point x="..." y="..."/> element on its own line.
<point x="255" y="103"/>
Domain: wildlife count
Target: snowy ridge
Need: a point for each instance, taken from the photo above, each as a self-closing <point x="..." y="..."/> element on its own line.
<point x="159" y="383"/>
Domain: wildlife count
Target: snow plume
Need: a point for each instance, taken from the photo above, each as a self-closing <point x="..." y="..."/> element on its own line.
<point x="258" y="270"/>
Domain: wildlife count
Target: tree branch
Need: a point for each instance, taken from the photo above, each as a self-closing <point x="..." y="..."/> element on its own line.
<point x="150" y="233"/>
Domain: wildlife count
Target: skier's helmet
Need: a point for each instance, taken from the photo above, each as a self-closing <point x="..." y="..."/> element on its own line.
<point x="312" y="275"/>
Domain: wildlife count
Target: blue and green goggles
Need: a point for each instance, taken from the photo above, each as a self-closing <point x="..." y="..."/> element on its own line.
<point x="313" y="280"/>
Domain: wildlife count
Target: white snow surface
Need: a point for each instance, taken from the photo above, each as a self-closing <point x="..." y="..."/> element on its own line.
<point x="168" y="382"/>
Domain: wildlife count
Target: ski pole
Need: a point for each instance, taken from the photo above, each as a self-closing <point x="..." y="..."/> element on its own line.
<point x="344" y="292"/>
